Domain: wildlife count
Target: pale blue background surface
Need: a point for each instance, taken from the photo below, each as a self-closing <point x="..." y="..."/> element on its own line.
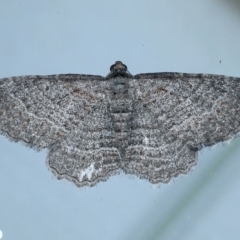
<point x="47" y="37"/>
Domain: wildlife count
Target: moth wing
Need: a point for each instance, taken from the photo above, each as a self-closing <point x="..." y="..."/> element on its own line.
<point x="87" y="155"/>
<point x="40" y="110"/>
<point x="179" y="114"/>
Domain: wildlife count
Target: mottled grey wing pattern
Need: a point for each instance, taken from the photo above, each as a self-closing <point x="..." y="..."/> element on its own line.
<point x="151" y="125"/>
<point x="86" y="156"/>
<point x="65" y="113"/>
<point x="39" y="110"/>
<point x="178" y="114"/>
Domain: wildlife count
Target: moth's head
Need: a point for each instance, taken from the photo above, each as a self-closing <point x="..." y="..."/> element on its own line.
<point x="118" y="66"/>
<point x="118" y="69"/>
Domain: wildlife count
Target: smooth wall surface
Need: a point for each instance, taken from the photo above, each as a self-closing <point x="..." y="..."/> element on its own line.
<point x="48" y="37"/>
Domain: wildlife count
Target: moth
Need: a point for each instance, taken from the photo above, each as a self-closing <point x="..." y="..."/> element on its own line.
<point x="151" y="125"/>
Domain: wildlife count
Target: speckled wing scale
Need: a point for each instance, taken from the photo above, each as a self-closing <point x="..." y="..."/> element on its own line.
<point x="182" y="114"/>
<point x="151" y="125"/>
